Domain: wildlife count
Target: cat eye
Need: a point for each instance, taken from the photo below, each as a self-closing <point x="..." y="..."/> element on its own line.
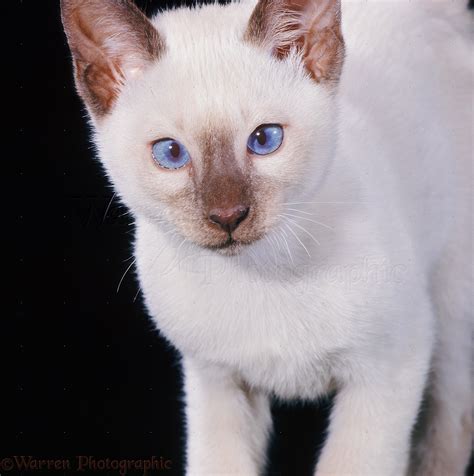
<point x="170" y="154"/>
<point x="265" y="139"/>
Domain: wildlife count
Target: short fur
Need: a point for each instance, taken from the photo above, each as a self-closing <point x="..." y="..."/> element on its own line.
<point x="353" y="270"/>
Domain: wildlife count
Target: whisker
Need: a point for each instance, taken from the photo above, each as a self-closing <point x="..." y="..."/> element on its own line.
<point x="299" y="211"/>
<point x="273" y="244"/>
<point x="278" y="243"/>
<point x="287" y="246"/>
<point x="296" y="236"/>
<point x="313" y="203"/>
<point x="124" y="274"/>
<point x="301" y="228"/>
<point x="108" y="206"/>
<point x="311" y="220"/>
<point x="136" y="295"/>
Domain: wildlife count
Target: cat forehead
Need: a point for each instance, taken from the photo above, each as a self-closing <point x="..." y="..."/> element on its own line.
<point x="205" y="44"/>
<point x="209" y="77"/>
<point x="191" y="27"/>
<point x="208" y="71"/>
<point x="209" y="41"/>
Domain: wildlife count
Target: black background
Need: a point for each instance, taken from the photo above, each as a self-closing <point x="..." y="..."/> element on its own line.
<point x="84" y="372"/>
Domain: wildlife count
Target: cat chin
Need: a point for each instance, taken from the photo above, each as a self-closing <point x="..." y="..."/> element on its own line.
<point x="230" y="247"/>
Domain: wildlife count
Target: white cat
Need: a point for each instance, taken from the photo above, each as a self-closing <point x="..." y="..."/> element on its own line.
<point x="301" y="190"/>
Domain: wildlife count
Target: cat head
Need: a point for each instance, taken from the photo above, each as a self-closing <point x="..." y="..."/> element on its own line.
<point x="207" y="120"/>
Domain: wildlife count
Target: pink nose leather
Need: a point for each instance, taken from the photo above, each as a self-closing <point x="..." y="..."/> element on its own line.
<point x="229" y="218"/>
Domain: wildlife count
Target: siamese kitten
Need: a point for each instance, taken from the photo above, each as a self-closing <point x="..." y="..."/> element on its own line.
<point x="299" y="172"/>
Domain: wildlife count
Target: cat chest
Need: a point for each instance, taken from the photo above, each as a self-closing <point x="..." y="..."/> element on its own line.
<point x="272" y="335"/>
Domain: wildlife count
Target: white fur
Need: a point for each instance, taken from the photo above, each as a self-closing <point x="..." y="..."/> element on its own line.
<point x="383" y="297"/>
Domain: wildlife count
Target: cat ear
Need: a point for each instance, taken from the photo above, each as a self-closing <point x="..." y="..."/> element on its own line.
<point x="110" y="41"/>
<point x="311" y="26"/>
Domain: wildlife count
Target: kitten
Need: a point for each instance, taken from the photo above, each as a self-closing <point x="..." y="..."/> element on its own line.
<point x="301" y="190"/>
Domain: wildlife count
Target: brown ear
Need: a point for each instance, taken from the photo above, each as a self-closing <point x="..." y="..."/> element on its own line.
<point x="109" y="40"/>
<point x="311" y="26"/>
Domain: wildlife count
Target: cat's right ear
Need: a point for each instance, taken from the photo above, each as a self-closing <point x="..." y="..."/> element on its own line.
<point x="110" y="41"/>
<point x="312" y="27"/>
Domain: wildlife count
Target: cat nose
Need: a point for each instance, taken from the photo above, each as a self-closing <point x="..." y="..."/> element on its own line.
<point x="229" y="218"/>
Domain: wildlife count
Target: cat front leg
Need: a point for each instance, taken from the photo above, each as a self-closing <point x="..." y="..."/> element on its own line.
<point x="371" y="422"/>
<point x="227" y="423"/>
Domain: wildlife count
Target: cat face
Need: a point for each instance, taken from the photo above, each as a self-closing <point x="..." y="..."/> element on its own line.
<point x="217" y="123"/>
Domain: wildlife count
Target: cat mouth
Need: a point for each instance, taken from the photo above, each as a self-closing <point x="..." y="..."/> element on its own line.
<point x="229" y="247"/>
<point x="229" y="244"/>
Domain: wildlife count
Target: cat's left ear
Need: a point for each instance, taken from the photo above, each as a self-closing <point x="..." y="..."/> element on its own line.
<point x="111" y="41"/>
<point x="311" y="26"/>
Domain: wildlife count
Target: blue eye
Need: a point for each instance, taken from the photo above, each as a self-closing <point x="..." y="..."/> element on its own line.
<point x="265" y="139"/>
<point x="170" y="154"/>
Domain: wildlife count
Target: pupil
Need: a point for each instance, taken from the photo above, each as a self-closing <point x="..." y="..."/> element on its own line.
<point x="175" y="150"/>
<point x="261" y="137"/>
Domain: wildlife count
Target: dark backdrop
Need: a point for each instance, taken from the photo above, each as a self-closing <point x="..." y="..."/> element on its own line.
<point x="84" y="372"/>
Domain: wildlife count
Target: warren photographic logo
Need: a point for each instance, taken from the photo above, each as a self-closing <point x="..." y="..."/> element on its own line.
<point x="85" y="465"/>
